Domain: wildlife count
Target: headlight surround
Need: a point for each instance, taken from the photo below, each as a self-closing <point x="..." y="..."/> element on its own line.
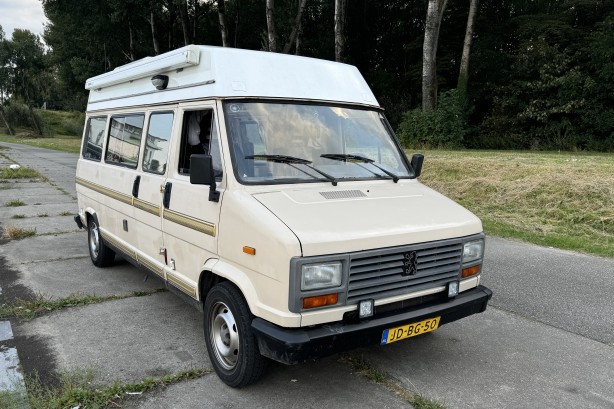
<point x="321" y="275"/>
<point x="473" y="251"/>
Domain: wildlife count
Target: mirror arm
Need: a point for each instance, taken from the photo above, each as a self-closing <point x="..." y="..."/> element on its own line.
<point x="214" y="195"/>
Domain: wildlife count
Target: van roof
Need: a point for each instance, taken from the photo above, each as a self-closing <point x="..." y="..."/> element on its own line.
<point x="198" y="72"/>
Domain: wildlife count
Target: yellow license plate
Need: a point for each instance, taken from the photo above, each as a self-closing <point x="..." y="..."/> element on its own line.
<point x="410" y="330"/>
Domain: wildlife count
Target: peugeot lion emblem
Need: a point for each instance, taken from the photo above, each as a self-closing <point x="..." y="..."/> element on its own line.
<point x="410" y="263"/>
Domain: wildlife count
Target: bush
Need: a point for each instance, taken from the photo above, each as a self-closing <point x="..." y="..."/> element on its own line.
<point x="18" y="116"/>
<point x="445" y="127"/>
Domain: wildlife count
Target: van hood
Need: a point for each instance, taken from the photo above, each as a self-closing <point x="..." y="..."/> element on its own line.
<point x="366" y="216"/>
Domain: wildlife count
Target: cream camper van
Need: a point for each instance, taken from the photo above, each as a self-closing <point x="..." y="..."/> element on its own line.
<point x="269" y="191"/>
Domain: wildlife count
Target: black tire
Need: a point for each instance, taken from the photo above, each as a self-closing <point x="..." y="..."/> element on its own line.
<point x="231" y="345"/>
<point x="100" y="253"/>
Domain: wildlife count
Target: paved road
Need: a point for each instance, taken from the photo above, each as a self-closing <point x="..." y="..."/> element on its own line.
<point x="546" y="341"/>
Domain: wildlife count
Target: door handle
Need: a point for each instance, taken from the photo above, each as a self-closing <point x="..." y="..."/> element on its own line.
<point x="136" y="185"/>
<point x="166" y="201"/>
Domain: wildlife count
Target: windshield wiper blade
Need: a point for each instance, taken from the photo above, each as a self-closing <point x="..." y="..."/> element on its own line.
<point x="280" y="159"/>
<point x="292" y="160"/>
<point x="358" y="159"/>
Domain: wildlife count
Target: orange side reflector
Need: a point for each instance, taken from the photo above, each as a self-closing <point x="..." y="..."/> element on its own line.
<point x="320" y="300"/>
<point x="470" y="271"/>
<point x="249" y="250"/>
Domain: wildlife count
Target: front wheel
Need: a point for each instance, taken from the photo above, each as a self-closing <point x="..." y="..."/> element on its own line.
<point x="231" y="345"/>
<point x="100" y="253"/>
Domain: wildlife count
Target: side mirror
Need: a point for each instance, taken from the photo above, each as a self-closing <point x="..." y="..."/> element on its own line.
<point x="416" y="163"/>
<point x="201" y="173"/>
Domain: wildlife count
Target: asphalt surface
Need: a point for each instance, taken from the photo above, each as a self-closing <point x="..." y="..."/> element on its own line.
<point x="546" y="340"/>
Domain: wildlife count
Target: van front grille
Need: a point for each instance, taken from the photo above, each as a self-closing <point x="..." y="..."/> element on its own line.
<point x="388" y="272"/>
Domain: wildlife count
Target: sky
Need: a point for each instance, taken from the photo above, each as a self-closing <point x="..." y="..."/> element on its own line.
<point x="26" y="14"/>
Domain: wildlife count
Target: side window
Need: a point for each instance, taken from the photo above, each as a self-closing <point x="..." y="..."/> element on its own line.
<point x="155" y="154"/>
<point x="94" y="136"/>
<point x="200" y="136"/>
<point x="125" y="140"/>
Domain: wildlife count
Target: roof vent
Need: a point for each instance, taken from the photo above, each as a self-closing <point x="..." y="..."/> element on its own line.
<point x="343" y="194"/>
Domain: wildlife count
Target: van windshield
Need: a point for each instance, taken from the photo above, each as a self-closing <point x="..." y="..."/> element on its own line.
<point x="296" y="143"/>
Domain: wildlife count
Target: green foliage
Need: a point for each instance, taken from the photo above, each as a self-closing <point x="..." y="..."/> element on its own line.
<point x="62" y="123"/>
<point x="444" y="127"/>
<point x="18" y="115"/>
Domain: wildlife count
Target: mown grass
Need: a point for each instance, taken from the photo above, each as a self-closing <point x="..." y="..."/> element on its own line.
<point x="59" y="142"/>
<point x="563" y="200"/>
<point x="17" y="233"/>
<point x="76" y="389"/>
<point x="29" y="309"/>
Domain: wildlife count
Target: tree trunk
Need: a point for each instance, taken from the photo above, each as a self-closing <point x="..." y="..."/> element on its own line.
<point x="131" y="34"/>
<point x="8" y="126"/>
<point x="38" y="127"/>
<point x="185" y="23"/>
<point x="464" y="65"/>
<point x="154" y="38"/>
<point x="340" y="6"/>
<point x="299" y="34"/>
<point x="194" y="26"/>
<point x="295" y="28"/>
<point x="429" y="53"/>
<point x="270" y="22"/>
<point x="221" y="12"/>
<point x="237" y="22"/>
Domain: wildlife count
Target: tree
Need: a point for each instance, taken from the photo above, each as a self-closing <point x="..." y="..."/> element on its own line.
<point x="464" y="65"/>
<point x="270" y="22"/>
<point x="434" y="14"/>
<point x="340" y="8"/>
<point x="221" y="11"/>
<point x="296" y="28"/>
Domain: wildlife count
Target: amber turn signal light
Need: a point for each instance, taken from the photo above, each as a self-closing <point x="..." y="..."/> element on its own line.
<point x="320" y="300"/>
<point x="249" y="250"/>
<point x="470" y="271"/>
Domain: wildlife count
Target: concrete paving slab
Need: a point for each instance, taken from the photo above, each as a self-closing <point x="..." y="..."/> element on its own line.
<point x="125" y="340"/>
<point x="35" y="210"/>
<point x="62" y="278"/>
<point x="45" y="248"/>
<point x="11" y="378"/>
<point x="45" y="225"/>
<point x="565" y="289"/>
<point x="500" y="360"/>
<point x="325" y="383"/>
<point x="28" y="191"/>
<point x="49" y="199"/>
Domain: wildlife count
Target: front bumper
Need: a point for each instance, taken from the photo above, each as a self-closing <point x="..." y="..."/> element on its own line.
<point x="294" y="345"/>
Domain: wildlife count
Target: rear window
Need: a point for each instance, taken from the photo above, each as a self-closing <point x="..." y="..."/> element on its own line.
<point x="94" y="137"/>
<point x="125" y="135"/>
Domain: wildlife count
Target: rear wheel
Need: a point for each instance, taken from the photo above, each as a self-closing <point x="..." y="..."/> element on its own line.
<point x="231" y="345"/>
<point x="100" y="253"/>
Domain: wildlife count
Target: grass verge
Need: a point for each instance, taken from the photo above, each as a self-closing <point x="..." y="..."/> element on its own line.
<point x="15" y="203"/>
<point x="361" y="367"/>
<point x="21" y="173"/>
<point x="563" y="200"/>
<point x="29" y="309"/>
<point x="59" y="143"/>
<point x="17" y="233"/>
<point x="76" y="390"/>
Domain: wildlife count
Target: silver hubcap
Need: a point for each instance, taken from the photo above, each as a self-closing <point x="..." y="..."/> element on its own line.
<point x="224" y="336"/>
<point x="94" y="240"/>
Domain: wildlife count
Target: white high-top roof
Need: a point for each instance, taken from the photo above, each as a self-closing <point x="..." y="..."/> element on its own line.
<point x="200" y="72"/>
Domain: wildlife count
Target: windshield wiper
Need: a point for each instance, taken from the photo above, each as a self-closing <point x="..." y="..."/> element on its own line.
<point x="358" y="159"/>
<point x="292" y="160"/>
